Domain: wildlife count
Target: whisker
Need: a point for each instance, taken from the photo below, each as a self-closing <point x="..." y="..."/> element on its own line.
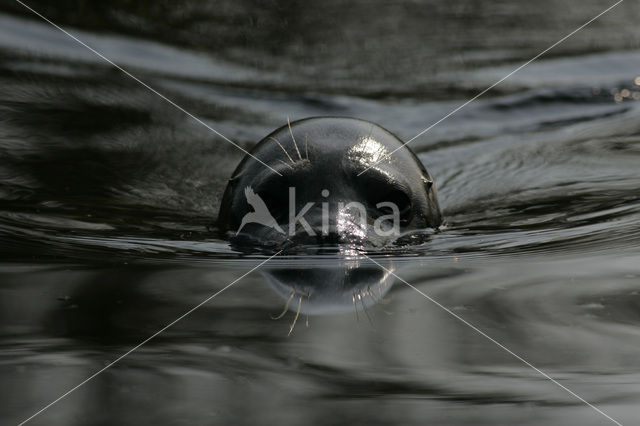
<point x="286" y="307"/>
<point x="308" y="303"/>
<point x="369" y="293"/>
<point x="364" y="308"/>
<point x="294" y="139"/>
<point x="295" y="319"/>
<point x="355" y="306"/>
<point x="285" y="163"/>
<point x="285" y="151"/>
<point x="306" y="146"/>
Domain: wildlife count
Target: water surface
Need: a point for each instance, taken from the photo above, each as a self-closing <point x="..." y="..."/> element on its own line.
<point x="109" y="195"/>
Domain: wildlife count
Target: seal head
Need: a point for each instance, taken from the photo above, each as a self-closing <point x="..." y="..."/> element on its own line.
<point x="337" y="183"/>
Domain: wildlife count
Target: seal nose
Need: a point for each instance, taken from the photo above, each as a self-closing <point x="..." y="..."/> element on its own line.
<point x="340" y="223"/>
<point x="331" y="235"/>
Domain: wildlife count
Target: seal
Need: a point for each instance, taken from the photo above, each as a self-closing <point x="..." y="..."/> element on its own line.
<point x="331" y="181"/>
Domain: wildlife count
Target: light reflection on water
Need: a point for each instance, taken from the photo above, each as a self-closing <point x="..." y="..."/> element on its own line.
<point x="108" y="200"/>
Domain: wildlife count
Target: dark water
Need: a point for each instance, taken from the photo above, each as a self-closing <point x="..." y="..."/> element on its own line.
<point x="108" y="198"/>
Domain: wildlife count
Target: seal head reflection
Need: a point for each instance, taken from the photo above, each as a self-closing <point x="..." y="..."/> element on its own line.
<point x="330" y="289"/>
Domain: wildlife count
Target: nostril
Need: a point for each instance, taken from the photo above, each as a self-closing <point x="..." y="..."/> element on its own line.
<point x="277" y="202"/>
<point x="386" y="197"/>
<point x="392" y="201"/>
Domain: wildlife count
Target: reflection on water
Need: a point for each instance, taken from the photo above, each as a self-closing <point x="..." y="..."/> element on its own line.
<point x="325" y="289"/>
<point x="108" y="198"/>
